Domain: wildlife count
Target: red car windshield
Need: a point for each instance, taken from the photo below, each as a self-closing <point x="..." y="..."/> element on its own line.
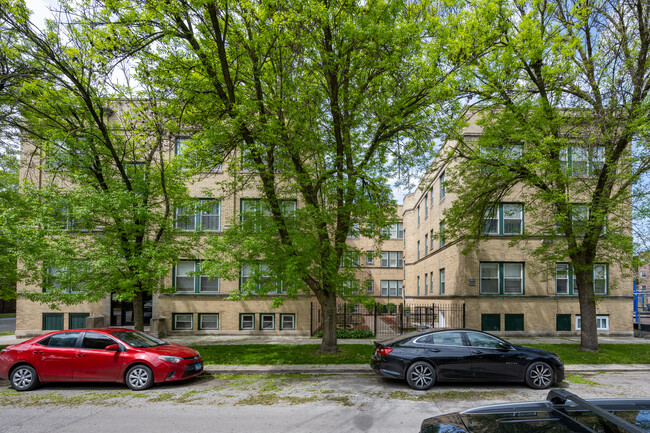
<point x="139" y="339"/>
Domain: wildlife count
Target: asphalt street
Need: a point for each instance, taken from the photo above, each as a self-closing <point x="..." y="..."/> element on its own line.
<point x="273" y="403"/>
<point x="7" y="324"/>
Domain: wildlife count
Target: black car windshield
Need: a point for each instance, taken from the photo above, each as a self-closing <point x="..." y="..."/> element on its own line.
<point x="139" y="339"/>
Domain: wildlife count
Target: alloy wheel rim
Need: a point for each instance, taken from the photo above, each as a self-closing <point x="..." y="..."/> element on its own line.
<point x="541" y="376"/>
<point x="422" y="376"/>
<point x="23" y="378"/>
<point x="138" y="377"/>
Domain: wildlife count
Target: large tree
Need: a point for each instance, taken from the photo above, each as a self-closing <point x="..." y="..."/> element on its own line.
<point x="314" y="101"/>
<point x="98" y="184"/>
<point x="560" y="88"/>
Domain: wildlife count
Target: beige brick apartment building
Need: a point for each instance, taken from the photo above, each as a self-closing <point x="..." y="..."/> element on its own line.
<point x="502" y="289"/>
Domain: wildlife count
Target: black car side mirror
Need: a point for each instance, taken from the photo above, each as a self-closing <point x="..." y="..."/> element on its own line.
<point x="504" y="346"/>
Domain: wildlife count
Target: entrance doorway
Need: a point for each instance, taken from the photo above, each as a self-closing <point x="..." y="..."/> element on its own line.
<point x="122" y="312"/>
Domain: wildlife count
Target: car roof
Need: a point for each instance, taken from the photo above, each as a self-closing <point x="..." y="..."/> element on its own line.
<point x="415" y="334"/>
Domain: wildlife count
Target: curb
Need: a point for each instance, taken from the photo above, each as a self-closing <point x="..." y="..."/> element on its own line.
<point x="351" y="369"/>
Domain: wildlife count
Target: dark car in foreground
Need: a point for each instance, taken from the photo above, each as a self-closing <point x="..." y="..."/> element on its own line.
<point x="562" y="412"/>
<point x="97" y="355"/>
<point x="463" y="355"/>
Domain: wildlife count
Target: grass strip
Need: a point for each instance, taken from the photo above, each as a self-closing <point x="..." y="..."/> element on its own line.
<point x="278" y="354"/>
<point x="283" y="354"/>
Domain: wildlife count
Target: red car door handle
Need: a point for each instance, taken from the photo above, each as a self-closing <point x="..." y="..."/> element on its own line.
<point x="37" y="352"/>
<point x="81" y="355"/>
<point x="477" y="352"/>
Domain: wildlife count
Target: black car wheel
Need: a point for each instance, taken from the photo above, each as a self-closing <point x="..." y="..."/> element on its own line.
<point x="421" y="375"/>
<point x="24" y="378"/>
<point x="139" y="377"/>
<point x="539" y="375"/>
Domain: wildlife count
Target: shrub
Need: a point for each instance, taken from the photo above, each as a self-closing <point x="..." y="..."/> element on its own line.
<point x="349" y="333"/>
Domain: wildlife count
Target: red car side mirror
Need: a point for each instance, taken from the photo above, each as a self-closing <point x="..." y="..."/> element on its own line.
<point x="115" y="347"/>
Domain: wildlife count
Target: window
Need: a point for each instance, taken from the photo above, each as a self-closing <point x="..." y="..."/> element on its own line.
<point x="563" y="322"/>
<point x="431" y="282"/>
<point x="418" y="250"/>
<point x="565" y="279"/>
<point x="431" y="238"/>
<point x="391" y="287"/>
<point x="442" y="234"/>
<point x="442" y="281"/>
<point x="66" y="278"/>
<point x="642" y="274"/>
<point x="447" y="338"/>
<point x="77" y="320"/>
<point x="392" y="259"/>
<point x="490" y="322"/>
<point x="503" y="278"/>
<point x="426" y="245"/>
<point x="187" y="283"/>
<point x="246" y="322"/>
<point x="52" y="321"/>
<point x="260" y="272"/>
<point x="395" y="231"/>
<point x="514" y="322"/>
<point x="208" y="321"/>
<point x="504" y="219"/>
<point x="418" y="285"/>
<point x="64" y="339"/>
<point x="370" y="286"/>
<point x="583" y="161"/>
<point x="482" y="340"/>
<point x="602" y="323"/>
<point x="97" y="341"/>
<point x="203" y="215"/>
<point x="183" y="322"/>
<point x="258" y="211"/>
<point x="442" y="185"/>
<point x="418" y="215"/>
<point x="426" y="284"/>
<point x="287" y="322"/>
<point x="426" y="208"/>
<point x="370" y="258"/>
<point x="267" y="322"/>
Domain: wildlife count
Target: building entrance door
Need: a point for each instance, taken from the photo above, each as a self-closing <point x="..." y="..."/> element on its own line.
<point x="122" y="312"/>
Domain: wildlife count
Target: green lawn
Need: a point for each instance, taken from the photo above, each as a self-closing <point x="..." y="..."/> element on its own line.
<point x="5" y="315"/>
<point x="608" y="353"/>
<point x="277" y="354"/>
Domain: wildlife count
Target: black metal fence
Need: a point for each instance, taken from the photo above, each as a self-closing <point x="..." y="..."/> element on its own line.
<point x="394" y="319"/>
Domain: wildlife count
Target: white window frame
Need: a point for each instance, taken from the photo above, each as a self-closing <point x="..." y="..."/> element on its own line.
<point x="198" y="281"/>
<point x="392" y="259"/>
<point x="242" y="319"/>
<point x="265" y="325"/>
<point x="283" y="326"/>
<point x="602" y="322"/>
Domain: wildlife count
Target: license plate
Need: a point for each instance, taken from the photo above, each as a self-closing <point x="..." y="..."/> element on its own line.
<point x="198" y="366"/>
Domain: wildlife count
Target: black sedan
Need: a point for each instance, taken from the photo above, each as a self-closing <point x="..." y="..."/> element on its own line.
<point x="463" y="355"/>
<point x="561" y="412"/>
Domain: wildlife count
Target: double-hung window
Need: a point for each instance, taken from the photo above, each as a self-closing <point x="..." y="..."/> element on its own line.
<point x="391" y="287"/>
<point x="259" y="212"/>
<point x="504" y="219"/>
<point x="204" y="215"/>
<point x="395" y="231"/>
<point x="502" y="278"/>
<point x="442" y="185"/>
<point x="602" y="322"/>
<point x="583" y="161"/>
<point x="442" y="281"/>
<point x="565" y="279"/>
<point x="442" y="235"/>
<point x="392" y="259"/>
<point x="188" y="279"/>
<point x="260" y="272"/>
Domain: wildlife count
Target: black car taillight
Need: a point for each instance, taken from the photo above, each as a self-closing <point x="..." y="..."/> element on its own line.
<point x="384" y="350"/>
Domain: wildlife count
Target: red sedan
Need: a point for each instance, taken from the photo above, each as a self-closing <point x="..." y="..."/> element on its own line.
<point x="97" y="355"/>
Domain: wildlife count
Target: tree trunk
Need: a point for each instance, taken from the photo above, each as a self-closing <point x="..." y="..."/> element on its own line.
<point x="138" y="311"/>
<point x="588" y="333"/>
<point x="328" y="305"/>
